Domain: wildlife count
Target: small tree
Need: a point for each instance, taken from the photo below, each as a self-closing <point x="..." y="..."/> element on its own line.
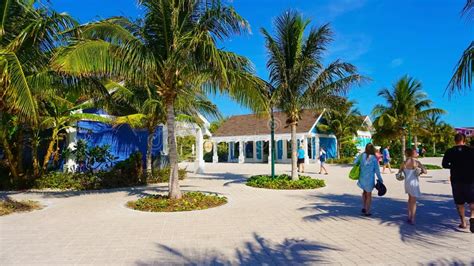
<point x="297" y="72"/>
<point x="90" y="158"/>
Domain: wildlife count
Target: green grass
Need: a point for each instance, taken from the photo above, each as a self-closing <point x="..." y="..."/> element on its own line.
<point x="432" y="167"/>
<point x="284" y="182"/>
<point x="189" y="202"/>
<point x="8" y="206"/>
<point x="347" y="160"/>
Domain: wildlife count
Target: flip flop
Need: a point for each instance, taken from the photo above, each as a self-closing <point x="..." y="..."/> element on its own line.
<point x="462" y="226"/>
<point x="368" y="214"/>
<point x="471" y="225"/>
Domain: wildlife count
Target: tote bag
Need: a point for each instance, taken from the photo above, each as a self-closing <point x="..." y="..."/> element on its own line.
<point x="355" y="171"/>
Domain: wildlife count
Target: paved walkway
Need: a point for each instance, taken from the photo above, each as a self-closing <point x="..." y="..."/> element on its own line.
<point x="257" y="226"/>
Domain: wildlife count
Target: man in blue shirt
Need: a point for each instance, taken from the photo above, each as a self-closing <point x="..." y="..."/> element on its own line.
<point x="386" y="159"/>
<point x="301" y="159"/>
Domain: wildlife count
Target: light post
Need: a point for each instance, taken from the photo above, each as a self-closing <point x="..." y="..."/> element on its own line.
<point x="272" y="139"/>
<point x="409" y="137"/>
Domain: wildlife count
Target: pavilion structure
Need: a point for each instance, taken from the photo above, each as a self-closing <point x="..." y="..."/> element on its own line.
<point x="248" y="138"/>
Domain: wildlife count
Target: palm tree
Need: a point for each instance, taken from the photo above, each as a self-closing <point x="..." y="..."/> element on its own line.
<point x="297" y="72"/>
<point x="343" y="122"/>
<point x="61" y="115"/>
<point x="28" y="36"/>
<point x="433" y="125"/>
<point x="173" y="50"/>
<point x="406" y="104"/>
<point x="146" y="110"/>
<point x="464" y="70"/>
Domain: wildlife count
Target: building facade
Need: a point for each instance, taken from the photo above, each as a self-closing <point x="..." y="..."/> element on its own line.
<point x="248" y="138"/>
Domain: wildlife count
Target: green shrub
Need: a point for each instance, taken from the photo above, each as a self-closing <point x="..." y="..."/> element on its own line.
<point x="430" y="154"/>
<point x="284" y="182"/>
<point x="347" y="160"/>
<point x="68" y="181"/>
<point x="90" y="158"/>
<point x="190" y="201"/>
<point x="163" y="175"/>
<point x="125" y="173"/>
<point x="432" y="167"/>
<point x="349" y="150"/>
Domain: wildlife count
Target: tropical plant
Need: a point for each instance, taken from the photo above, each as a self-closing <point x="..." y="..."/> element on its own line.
<point x="343" y="122"/>
<point x="90" y="158"/>
<point x="59" y="115"/>
<point x="297" y="72"/>
<point x="406" y="105"/>
<point x="29" y="34"/>
<point x="439" y="132"/>
<point x="464" y="70"/>
<point x="28" y="37"/>
<point x="145" y="109"/>
<point x="174" y="50"/>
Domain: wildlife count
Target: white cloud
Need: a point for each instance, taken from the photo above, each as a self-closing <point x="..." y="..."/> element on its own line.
<point x="350" y="47"/>
<point x="396" y="62"/>
<point x="340" y="7"/>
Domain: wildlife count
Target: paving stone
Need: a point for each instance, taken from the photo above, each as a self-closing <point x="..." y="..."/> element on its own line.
<point x="257" y="226"/>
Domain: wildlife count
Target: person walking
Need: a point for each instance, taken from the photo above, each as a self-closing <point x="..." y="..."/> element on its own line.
<point x="378" y="155"/>
<point x="301" y="159"/>
<point x="386" y="159"/>
<point x="459" y="159"/>
<point x="322" y="161"/>
<point x="369" y="168"/>
<point x="412" y="169"/>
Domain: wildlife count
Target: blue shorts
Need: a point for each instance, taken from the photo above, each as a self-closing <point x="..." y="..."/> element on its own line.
<point x="386" y="161"/>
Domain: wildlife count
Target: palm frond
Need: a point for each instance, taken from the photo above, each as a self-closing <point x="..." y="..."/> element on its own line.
<point x="463" y="73"/>
<point x="18" y="92"/>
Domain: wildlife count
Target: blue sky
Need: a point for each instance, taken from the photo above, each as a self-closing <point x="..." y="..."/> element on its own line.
<point x="384" y="39"/>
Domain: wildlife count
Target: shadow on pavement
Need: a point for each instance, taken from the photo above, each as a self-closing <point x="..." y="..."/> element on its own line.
<point x="259" y="251"/>
<point x="451" y="262"/>
<point x="436" y="214"/>
<point x="131" y="191"/>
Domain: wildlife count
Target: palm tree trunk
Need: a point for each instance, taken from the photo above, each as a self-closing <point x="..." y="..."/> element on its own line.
<point x="20" y="149"/>
<point x="149" y="148"/>
<point x="50" y="150"/>
<point x="403" y="146"/>
<point x="34" y="156"/>
<point x="294" y="166"/>
<point x="173" y="186"/>
<point x="415" y="139"/>
<point x="338" y="150"/>
<point x="10" y="157"/>
<point x="434" y="148"/>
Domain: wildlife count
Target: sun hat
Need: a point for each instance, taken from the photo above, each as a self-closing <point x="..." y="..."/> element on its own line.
<point x="380" y="188"/>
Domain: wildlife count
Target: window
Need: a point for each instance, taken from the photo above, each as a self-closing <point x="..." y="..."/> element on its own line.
<point x="249" y="150"/>
<point x="288" y="149"/>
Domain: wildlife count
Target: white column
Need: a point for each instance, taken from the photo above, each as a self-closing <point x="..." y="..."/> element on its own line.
<point x="71" y="165"/>
<point x="199" y="161"/>
<point x="305" y="148"/>
<point x="241" y="151"/>
<point x="317" y="147"/>
<point x="215" y="158"/>
<point x="229" y="152"/>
